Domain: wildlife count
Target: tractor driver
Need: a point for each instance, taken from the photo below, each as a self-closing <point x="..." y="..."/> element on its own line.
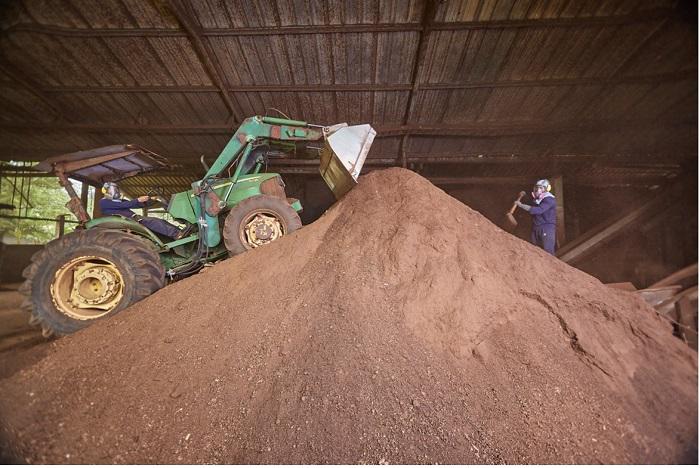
<point x="544" y="216"/>
<point x="114" y="204"/>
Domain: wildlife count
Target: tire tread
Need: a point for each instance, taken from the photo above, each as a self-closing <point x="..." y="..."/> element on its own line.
<point x="146" y="263"/>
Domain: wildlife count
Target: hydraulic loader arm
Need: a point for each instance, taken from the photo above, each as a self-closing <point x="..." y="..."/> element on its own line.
<point x="257" y="127"/>
<point x="343" y="155"/>
<point x="344" y="152"/>
<point x="237" y="151"/>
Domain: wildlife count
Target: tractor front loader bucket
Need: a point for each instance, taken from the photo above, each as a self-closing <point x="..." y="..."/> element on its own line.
<point x="344" y="154"/>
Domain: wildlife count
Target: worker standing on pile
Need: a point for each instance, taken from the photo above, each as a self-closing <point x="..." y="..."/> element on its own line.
<point x="544" y="216"/>
<point x="114" y="204"/>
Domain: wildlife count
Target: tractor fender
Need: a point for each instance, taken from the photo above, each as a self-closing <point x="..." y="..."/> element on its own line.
<point x="122" y="223"/>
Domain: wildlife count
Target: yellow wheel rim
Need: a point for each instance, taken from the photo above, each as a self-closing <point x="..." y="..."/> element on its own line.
<point x="260" y="228"/>
<point x="87" y="288"/>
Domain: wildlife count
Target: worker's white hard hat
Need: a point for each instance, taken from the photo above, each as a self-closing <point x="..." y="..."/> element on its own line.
<point x="544" y="183"/>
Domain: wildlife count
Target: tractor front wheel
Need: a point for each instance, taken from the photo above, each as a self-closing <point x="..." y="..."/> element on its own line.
<point x="86" y="276"/>
<point x="257" y="221"/>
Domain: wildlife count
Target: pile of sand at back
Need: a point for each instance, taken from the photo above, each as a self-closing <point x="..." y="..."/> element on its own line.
<point x="401" y="327"/>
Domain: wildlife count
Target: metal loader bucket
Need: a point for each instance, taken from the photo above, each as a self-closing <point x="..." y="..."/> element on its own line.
<point x="344" y="154"/>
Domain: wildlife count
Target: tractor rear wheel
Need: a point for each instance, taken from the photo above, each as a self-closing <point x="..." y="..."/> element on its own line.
<point x="257" y="221"/>
<point x="86" y="276"/>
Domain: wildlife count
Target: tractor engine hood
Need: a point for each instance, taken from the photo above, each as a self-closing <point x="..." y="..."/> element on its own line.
<point x="343" y="155"/>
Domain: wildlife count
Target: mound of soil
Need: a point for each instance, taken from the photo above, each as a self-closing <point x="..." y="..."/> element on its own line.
<point x="401" y="327"/>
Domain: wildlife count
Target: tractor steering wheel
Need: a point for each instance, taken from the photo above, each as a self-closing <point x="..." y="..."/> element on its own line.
<point x="158" y="194"/>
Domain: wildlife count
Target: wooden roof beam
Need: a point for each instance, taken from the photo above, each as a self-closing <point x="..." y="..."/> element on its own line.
<point x="26" y="83"/>
<point x="587" y="243"/>
<point x="194" y="34"/>
<point x="657" y="162"/>
<point x="683" y="75"/>
<point x="640" y="16"/>
<point x="635" y="161"/>
<point x="476" y="129"/>
<point x="426" y="22"/>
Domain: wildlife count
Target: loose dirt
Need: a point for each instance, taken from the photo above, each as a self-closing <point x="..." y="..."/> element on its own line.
<point x="20" y="344"/>
<point x="401" y="327"/>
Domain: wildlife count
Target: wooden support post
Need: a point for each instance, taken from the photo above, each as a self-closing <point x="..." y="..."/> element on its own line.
<point x="74" y="203"/>
<point x="687" y="318"/>
<point x="404" y="143"/>
<point x="84" y="193"/>
<point x="96" y="212"/>
<point x="60" y="225"/>
<point x="558" y="191"/>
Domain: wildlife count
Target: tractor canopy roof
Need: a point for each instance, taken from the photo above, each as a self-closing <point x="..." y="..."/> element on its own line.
<point x="106" y="164"/>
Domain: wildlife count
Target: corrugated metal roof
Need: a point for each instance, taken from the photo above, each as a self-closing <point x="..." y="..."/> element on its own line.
<point x="547" y="77"/>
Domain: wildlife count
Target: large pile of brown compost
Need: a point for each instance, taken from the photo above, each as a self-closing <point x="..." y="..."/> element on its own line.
<point x="401" y="327"/>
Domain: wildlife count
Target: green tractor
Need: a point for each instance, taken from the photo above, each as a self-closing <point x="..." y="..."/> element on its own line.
<point x="111" y="262"/>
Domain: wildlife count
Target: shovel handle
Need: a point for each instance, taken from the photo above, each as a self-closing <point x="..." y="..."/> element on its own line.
<point x="515" y="205"/>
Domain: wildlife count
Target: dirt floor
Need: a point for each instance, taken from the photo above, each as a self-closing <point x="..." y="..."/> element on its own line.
<point x="20" y="344"/>
<point x="401" y="327"/>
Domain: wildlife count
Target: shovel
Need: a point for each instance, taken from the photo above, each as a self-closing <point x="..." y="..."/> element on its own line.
<point x="509" y="215"/>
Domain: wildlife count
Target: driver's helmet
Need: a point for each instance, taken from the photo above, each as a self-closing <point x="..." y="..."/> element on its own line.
<point x="111" y="190"/>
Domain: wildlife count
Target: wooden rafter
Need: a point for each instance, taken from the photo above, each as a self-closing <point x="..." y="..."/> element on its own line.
<point x="641" y="16"/>
<point x="194" y="34"/>
<point x="591" y="241"/>
<point x="475" y="129"/>
<point x="658" y="78"/>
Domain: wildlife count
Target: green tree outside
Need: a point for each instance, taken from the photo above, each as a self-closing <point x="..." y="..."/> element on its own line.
<point x="47" y="199"/>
